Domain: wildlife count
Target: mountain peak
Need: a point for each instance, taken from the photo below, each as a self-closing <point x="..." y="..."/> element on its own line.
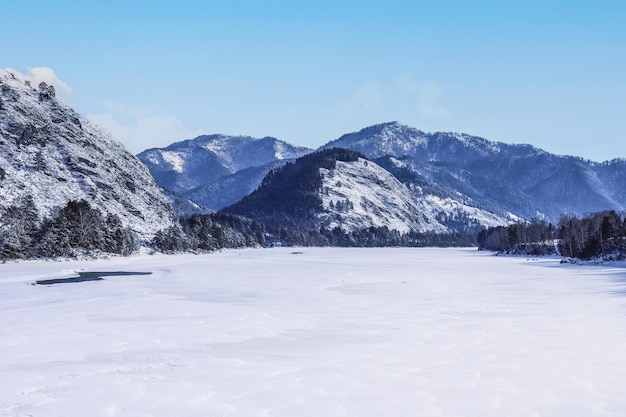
<point x="391" y="138"/>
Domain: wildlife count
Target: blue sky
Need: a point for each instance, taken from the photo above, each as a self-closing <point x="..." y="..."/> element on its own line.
<point x="548" y="73"/>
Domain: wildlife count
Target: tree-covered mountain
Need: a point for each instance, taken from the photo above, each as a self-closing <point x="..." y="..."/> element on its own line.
<point x="51" y="155"/>
<point x="291" y="195"/>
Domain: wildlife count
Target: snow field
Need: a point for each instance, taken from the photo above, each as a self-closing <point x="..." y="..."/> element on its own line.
<point x="315" y="332"/>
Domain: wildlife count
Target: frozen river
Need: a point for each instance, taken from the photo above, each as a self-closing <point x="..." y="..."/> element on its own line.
<point x="317" y="332"/>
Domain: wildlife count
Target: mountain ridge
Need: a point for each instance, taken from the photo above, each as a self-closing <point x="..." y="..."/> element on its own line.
<point x="552" y="184"/>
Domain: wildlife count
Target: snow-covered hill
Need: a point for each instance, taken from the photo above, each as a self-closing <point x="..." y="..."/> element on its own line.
<point x="398" y="140"/>
<point x="195" y="168"/>
<point x="362" y="194"/>
<point x="51" y="153"/>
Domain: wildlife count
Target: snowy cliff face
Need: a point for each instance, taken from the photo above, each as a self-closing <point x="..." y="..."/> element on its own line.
<point x="217" y="170"/>
<point x="53" y="154"/>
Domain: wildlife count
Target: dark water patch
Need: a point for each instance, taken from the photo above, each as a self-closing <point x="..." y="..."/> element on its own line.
<point x="88" y="276"/>
<point x="66" y="280"/>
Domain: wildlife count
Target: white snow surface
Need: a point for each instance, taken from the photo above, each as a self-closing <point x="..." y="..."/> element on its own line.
<point x="315" y="332"/>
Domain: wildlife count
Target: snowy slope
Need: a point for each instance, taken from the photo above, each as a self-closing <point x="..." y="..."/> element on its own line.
<point x="399" y="140"/>
<point x="377" y="198"/>
<point x="50" y="152"/>
<point x="339" y="188"/>
<point x="361" y="194"/>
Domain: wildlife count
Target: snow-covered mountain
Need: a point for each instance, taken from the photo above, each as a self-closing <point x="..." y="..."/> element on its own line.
<point x="206" y="168"/>
<point x="461" y="181"/>
<point x="502" y="178"/>
<point x="339" y="188"/>
<point x="51" y="153"/>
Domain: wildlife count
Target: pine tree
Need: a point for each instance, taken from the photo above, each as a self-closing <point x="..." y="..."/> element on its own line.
<point x="19" y="225"/>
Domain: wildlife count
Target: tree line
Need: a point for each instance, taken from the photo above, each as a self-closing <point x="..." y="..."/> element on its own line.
<point x="74" y="229"/>
<point x="208" y="232"/>
<point x="77" y="229"/>
<point x="594" y="236"/>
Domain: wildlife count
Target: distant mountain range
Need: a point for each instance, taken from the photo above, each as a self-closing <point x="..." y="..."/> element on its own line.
<point x="502" y="178"/>
<point x="217" y="170"/>
<point x="455" y="182"/>
<point x="52" y="154"/>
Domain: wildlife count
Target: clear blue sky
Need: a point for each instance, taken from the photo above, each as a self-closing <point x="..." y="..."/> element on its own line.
<point x="549" y="73"/>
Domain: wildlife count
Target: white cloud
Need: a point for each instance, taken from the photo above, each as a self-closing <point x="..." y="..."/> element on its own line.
<point x="402" y="97"/>
<point x="140" y="128"/>
<point x="422" y="96"/>
<point x="368" y="97"/>
<point x="38" y="74"/>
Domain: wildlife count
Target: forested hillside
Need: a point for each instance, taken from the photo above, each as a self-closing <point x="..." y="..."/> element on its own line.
<point x="289" y="196"/>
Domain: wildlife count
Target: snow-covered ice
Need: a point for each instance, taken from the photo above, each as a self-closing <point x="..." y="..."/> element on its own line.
<point x="315" y="332"/>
